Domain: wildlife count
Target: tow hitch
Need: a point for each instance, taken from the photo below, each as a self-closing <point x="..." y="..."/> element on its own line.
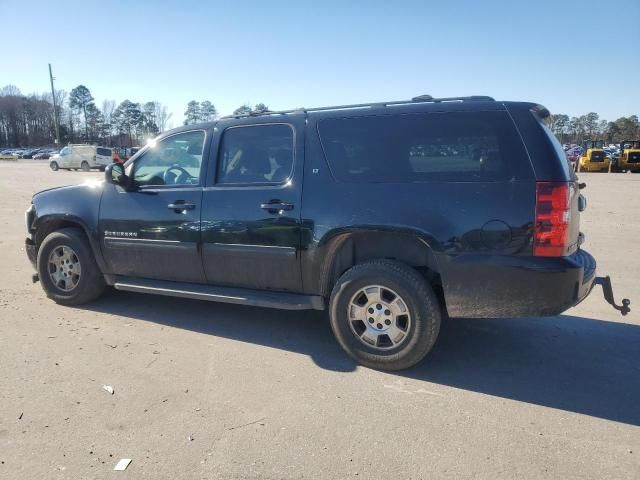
<point x="607" y="290"/>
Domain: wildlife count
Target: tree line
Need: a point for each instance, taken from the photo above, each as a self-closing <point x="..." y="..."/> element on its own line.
<point x="27" y="120"/>
<point x="205" y="111"/>
<point x="591" y="127"/>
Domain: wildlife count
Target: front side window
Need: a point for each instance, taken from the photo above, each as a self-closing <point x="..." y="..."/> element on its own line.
<point x="65" y="151"/>
<point x="175" y="160"/>
<point x="405" y="148"/>
<point x="257" y="154"/>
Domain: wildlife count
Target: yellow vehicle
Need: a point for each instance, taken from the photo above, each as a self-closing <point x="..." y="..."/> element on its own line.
<point x="629" y="159"/>
<point x="593" y="158"/>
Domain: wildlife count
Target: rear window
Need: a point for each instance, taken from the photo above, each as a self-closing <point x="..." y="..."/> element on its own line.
<point x="103" y="151"/>
<point x="460" y="146"/>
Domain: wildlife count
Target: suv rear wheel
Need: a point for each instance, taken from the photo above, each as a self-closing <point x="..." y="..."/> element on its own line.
<point x="67" y="270"/>
<point x="385" y="315"/>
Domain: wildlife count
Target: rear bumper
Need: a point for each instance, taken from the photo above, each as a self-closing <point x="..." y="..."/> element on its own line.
<point x="485" y="286"/>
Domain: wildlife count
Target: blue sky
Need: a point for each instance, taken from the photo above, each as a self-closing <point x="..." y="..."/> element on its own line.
<point x="568" y="55"/>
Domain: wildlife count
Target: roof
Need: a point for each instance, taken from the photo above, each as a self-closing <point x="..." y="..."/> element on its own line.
<point x="419" y="103"/>
<point x="415" y="100"/>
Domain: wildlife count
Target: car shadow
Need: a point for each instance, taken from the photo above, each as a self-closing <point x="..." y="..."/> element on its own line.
<point x="577" y="364"/>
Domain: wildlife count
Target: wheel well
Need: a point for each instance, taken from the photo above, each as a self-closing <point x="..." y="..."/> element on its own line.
<point x="360" y="247"/>
<point x="52" y="226"/>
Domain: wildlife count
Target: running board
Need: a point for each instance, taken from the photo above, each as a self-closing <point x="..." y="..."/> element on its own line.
<point x="241" y="296"/>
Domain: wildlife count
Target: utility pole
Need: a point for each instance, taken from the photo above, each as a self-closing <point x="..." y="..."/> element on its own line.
<point x="55" y="109"/>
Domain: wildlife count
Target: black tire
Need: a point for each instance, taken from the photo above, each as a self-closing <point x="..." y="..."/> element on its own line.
<point x="91" y="282"/>
<point x="420" y="300"/>
<point x="54" y="166"/>
<point x="85" y="166"/>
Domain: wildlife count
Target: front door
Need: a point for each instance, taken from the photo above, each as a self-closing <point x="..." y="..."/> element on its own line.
<point x="152" y="230"/>
<point x="251" y="206"/>
<point x="65" y="160"/>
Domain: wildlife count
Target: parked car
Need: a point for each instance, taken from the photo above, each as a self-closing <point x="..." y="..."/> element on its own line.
<point x="29" y="153"/>
<point x="42" y="156"/>
<point x="573" y="155"/>
<point x="85" y="157"/>
<point x="8" y="155"/>
<point x="350" y="209"/>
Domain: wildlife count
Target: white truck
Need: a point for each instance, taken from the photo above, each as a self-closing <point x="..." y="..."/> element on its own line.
<point x="82" y="156"/>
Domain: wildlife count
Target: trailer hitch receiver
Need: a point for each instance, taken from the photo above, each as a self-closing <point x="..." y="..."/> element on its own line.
<point x="607" y="290"/>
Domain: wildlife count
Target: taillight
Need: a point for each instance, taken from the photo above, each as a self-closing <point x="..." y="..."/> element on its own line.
<point x="551" y="235"/>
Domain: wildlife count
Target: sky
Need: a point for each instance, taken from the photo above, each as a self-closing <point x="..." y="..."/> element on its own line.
<point x="571" y="56"/>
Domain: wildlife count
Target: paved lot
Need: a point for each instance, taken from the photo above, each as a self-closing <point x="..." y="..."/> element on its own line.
<point x="205" y="390"/>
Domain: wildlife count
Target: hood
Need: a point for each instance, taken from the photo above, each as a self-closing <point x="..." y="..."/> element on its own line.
<point x="81" y="189"/>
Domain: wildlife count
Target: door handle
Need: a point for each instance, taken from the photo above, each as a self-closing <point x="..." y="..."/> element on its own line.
<point x="276" y="206"/>
<point x="180" y="206"/>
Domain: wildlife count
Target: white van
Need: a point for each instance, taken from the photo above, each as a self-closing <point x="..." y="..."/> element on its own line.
<point x="84" y="157"/>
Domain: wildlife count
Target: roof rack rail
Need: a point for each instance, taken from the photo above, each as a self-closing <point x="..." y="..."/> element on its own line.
<point x="418" y="99"/>
<point x="472" y="98"/>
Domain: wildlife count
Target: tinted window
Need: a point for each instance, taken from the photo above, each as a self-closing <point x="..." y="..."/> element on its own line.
<point x="561" y="156"/>
<point x="103" y="151"/>
<point x="256" y="154"/>
<point x="465" y="146"/>
<point x="175" y="160"/>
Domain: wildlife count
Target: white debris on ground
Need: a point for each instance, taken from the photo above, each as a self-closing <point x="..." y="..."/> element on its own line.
<point x="122" y="464"/>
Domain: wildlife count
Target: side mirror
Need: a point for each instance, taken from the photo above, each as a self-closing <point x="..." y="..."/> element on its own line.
<point x="115" y="175"/>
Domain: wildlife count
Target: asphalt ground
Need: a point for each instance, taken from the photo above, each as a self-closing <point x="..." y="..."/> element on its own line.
<point x="205" y="390"/>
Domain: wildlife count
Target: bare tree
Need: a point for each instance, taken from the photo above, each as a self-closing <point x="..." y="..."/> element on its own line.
<point x="10" y="91"/>
<point x="108" y="107"/>
<point x="162" y="116"/>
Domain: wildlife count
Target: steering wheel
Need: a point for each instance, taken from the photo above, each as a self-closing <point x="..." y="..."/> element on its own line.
<point x="171" y="178"/>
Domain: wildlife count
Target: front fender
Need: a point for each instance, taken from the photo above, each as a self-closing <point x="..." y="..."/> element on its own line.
<point x="75" y="206"/>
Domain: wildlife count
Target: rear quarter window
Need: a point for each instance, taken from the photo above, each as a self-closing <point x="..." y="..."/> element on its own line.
<point x="406" y="148"/>
<point x="561" y="156"/>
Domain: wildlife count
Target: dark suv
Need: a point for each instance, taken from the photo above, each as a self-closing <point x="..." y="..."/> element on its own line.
<point x="390" y="215"/>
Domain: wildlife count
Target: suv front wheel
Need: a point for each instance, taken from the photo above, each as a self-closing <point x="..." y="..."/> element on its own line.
<point x="67" y="270"/>
<point x="385" y="315"/>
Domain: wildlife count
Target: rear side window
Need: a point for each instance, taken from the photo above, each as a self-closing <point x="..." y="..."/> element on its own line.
<point x="103" y="151"/>
<point x="460" y="146"/>
<point x="559" y="151"/>
<point x="256" y="154"/>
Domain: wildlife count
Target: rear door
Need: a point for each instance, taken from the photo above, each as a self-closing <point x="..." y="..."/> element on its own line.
<point x="251" y="205"/>
<point x="103" y="156"/>
<point x="153" y="231"/>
